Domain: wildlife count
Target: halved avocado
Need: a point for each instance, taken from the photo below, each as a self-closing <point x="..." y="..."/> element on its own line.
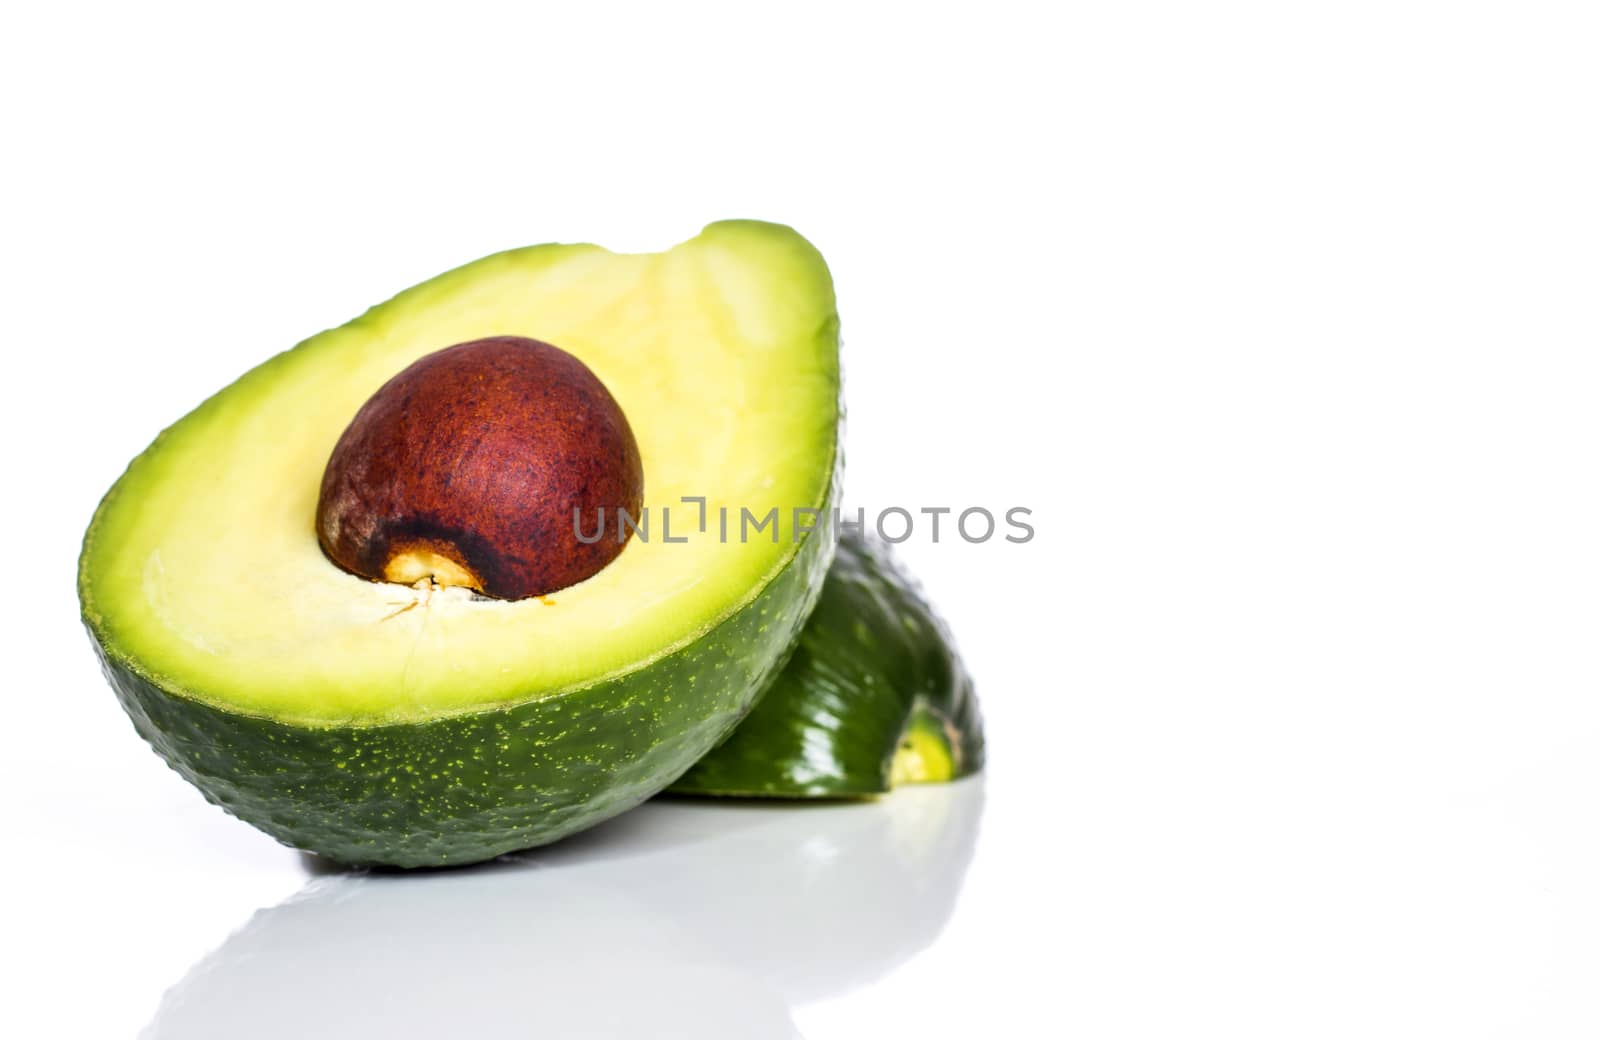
<point x="874" y="696"/>
<point x="378" y="723"/>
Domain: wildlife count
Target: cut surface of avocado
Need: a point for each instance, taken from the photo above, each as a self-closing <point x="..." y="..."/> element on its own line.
<point x="255" y="664"/>
<point x="202" y="564"/>
<point x="874" y="696"/>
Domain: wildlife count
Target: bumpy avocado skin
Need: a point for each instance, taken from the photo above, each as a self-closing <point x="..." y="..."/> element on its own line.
<point x="874" y="695"/>
<point x="466" y="788"/>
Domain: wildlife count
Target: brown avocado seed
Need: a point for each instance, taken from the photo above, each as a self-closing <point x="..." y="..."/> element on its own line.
<point x="467" y="467"/>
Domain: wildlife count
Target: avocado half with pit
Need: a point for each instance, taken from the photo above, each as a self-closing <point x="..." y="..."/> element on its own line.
<point x="309" y="597"/>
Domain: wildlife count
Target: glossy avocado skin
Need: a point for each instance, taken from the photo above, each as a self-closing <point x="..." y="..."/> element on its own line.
<point x="874" y="695"/>
<point x="465" y="788"/>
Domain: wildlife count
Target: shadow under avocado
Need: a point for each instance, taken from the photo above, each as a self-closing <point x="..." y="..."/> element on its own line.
<point x="680" y="919"/>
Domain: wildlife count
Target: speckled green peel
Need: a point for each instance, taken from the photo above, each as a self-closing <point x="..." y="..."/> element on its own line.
<point x="470" y="787"/>
<point x="874" y="696"/>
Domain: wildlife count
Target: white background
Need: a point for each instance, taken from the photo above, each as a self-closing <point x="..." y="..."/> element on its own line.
<point x="1281" y="317"/>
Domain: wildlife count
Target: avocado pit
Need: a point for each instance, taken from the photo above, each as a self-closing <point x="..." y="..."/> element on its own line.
<point x="471" y="467"/>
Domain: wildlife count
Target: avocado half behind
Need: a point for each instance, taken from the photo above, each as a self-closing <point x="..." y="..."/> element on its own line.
<point x="380" y="724"/>
<point x="874" y="696"/>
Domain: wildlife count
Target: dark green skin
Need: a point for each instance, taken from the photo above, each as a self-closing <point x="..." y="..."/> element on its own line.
<point x="470" y="787"/>
<point x="873" y="666"/>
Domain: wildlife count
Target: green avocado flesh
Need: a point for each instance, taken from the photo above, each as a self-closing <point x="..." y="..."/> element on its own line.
<point x="873" y="697"/>
<point x="380" y="723"/>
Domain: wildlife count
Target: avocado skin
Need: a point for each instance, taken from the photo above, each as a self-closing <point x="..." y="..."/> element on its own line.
<point x="874" y="668"/>
<point x="465" y="788"/>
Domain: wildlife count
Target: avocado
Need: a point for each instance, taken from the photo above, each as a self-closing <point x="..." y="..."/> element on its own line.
<point x="381" y="723"/>
<point x="875" y="695"/>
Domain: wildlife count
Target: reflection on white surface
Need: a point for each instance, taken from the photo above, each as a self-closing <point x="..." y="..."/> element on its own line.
<point x="680" y="919"/>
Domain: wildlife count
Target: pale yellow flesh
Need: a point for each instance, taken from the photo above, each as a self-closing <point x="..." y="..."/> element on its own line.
<point x="922" y="757"/>
<point x="203" y="568"/>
